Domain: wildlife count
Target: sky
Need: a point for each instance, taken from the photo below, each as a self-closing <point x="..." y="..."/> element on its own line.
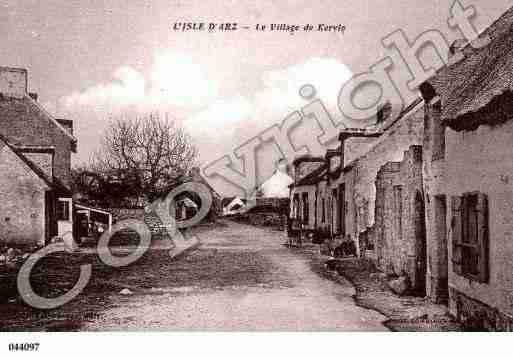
<point x="93" y="61"/>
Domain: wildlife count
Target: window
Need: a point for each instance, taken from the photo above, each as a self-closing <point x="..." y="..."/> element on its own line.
<point x="306" y="208"/>
<point x="470" y="236"/>
<point x="63" y="212"/>
<point x="398" y="210"/>
<point x="342" y="208"/>
<point x="334" y="163"/>
<point x="384" y="112"/>
<point x="295" y="206"/>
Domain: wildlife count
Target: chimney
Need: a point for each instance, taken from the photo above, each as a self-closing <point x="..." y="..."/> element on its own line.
<point x="282" y="166"/>
<point x="13" y="82"/>
<point x="384" y="112"/>
<point x="456" y="51"/>
<point x="33" y="95"/>
<point x="350" y="133"/>
<point x="457" y="46"/>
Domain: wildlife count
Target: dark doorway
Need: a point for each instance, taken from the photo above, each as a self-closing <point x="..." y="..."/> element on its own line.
<point x="80" y="226"/>
<point x="335" y="218"/>
<point x="342" y="209"/>
<point x="50" y="220"/>
<point x="421" y="245"/>
<point x="441" y="291"/>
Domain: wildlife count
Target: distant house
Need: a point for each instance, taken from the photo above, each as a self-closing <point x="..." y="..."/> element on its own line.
<point x="35" y="158"/>
<point x="276" y="186"/>
<point x="185" y="208"/>
<point x="196" y="176"/>
<point x="188" y="201"/>
<point x="233" y="205"/>
<point x="335" y="195"/>
<point x="305" y="204"/>
<point x="368" y="205"/>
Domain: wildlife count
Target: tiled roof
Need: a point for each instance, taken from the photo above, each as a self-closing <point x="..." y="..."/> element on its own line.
<point x="14" y="108"/>
<point x="481" y="76"/>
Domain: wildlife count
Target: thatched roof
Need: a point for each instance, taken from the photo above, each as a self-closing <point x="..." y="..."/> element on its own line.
<point x="313" y="177"/>
<point x="483" y="74"/>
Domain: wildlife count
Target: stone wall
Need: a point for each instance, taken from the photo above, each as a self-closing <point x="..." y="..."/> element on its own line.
<point x="44" y="160"/>
<point x="265" y="219"/>
<point x="119" y="214"/>
<point x="22" y="198"/>
<point x="128" y="237"/>
<point x="476" y="315"/>
<point x="399" y="234"/>
<point x="481" y="161"/>
<point x="389" y="147"/>
<point x="434" y="190"/>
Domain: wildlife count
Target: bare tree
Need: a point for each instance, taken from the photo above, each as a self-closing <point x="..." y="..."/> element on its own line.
<point x="145" y="155"/>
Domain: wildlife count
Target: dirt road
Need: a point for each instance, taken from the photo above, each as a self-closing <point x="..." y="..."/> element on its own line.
<point x="240" y="278"/>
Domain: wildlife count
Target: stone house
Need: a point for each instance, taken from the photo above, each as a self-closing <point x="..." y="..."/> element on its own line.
<point x="468" y="175"/>
<point x="304" y="202"/>
<point x="440" y="180"/>
<point x="36" y="159"/>
<point x="353" y="186"/>
<point x="397" y="136"/>
<point x="344" y="192"/>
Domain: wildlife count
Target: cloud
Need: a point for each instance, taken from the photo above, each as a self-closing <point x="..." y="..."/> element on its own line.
<point x="177" y="85"/>
<point x="281" y="87"/>
<point x="175" y="81"/>
<point x="221" y="117"/>
<point x="231" y="122"/>
<point x="126" y="88"/>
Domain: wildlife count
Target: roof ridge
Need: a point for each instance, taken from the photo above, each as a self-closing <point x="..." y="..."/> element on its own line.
<point x="52" y="182"/>
<point x="52" y="118"/>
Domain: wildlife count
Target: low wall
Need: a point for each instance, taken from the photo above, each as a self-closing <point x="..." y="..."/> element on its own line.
<point x="264" y="219"/>
<point x="476" y="315"/>
<point x="119" y="214"/>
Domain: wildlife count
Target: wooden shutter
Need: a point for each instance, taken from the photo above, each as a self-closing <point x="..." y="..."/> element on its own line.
<point x="456" y="238"/>
<point x="482" y="236"/>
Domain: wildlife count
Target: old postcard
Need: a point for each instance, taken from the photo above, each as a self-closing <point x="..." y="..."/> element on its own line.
<point x="241" y="166"/>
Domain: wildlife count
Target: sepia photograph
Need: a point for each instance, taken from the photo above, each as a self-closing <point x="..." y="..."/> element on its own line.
<point x="170" y="168"/>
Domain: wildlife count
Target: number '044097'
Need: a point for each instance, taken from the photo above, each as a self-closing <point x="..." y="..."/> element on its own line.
<point x="27" y="347"/>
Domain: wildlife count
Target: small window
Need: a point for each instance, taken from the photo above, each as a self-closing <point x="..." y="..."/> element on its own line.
<point x="295" y="206"/>
<point x="470" y="236"/>
<point x="63" y="212"/>
<point x="306" y="208"/>
<point x="334" y="163"/>
<point x="334" y="197"/>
